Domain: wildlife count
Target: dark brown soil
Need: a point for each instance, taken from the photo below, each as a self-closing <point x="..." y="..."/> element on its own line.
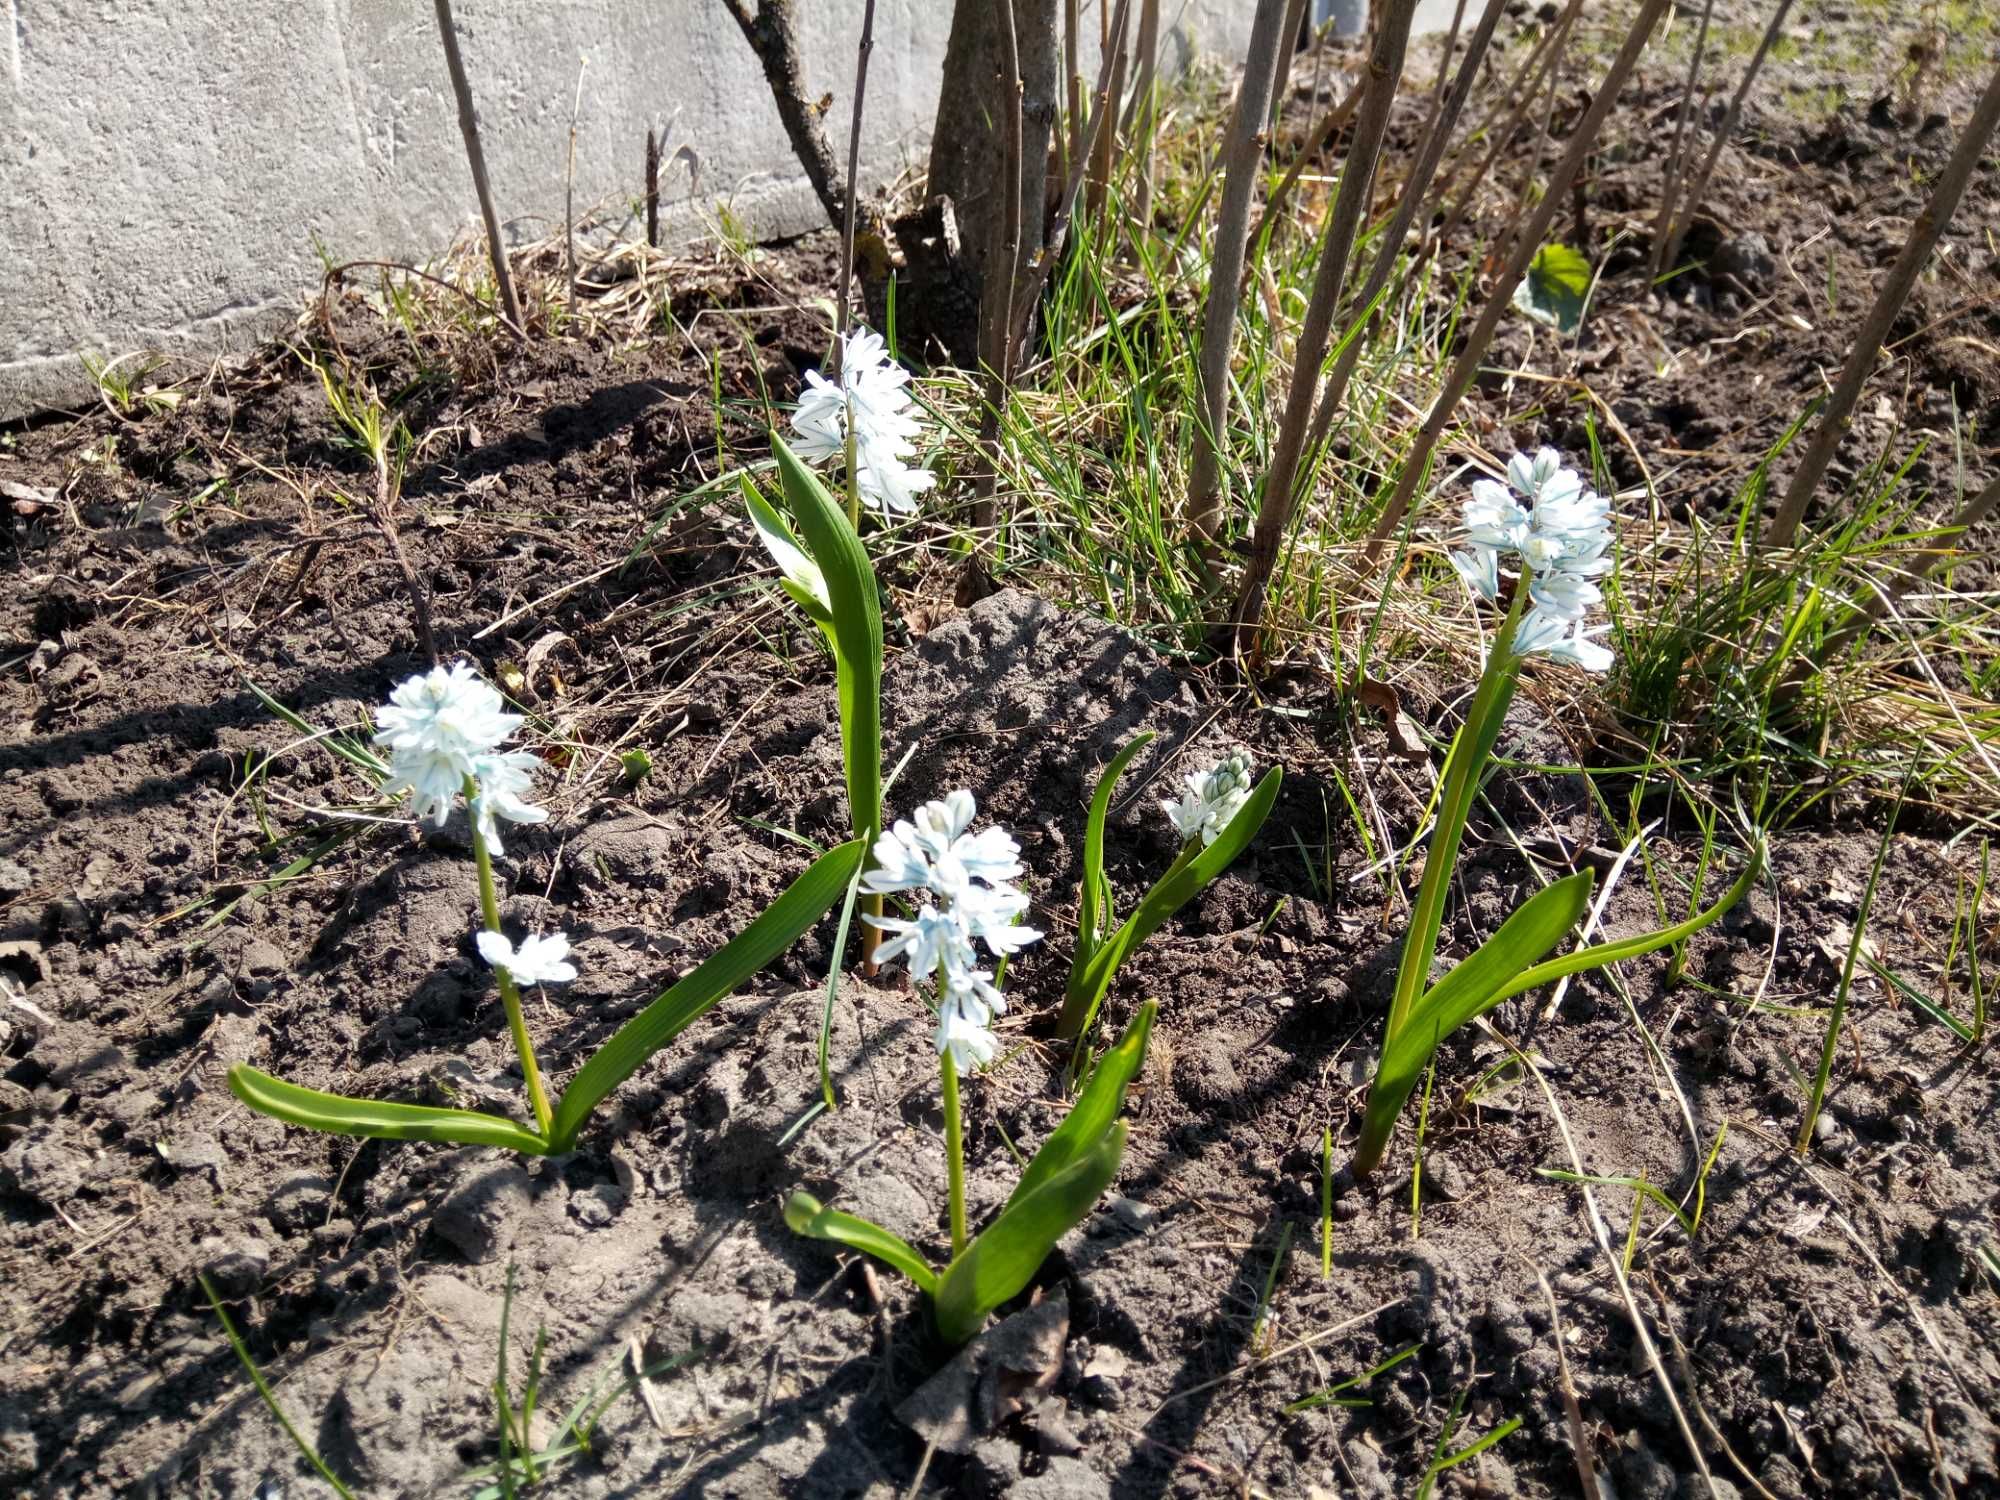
<point x="1833" y="1329"/>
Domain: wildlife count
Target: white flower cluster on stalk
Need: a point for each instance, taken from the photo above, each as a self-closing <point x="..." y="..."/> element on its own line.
<point x="1212" y="798"/>
<point x="445" y="725"/>
<point x="1562" y="543"/>
<point x="964" y="886"/>
<point x="873" y="396"/>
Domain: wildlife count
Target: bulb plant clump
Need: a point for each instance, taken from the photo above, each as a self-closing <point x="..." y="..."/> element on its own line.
<point x="1557" y="548"/>
<point x="1216" y="816"/>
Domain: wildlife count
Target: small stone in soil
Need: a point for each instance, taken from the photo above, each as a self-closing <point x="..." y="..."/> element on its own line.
<point x="1132" y="1213"/>
<point x="1062" y="1479"/>
<point x="234" y="1268"/>
<point x="19" y="1454"/>
<point x="298" y="1202"/>
<point x="596" y="1207"/>
<point x="479" y="1219"/>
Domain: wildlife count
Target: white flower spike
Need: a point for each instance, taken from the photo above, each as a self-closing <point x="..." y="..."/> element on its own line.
<point x="445" y="725"/>
<point x="541" y="959"/>
<point x="1212" y="798"/>
<point x="969" y="902"/>
<point x="1562" y="539"/>
<point x="435" y="726"/>
<point x="502" y="778"/>
<point x="873" y="395"/>
<point x="968" y="1040"/>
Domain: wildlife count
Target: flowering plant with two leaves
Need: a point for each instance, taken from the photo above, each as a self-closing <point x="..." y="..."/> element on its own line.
<point x="444" y="730"/>
<point x="961" y="887"/>
<point x="1549" y="530"/>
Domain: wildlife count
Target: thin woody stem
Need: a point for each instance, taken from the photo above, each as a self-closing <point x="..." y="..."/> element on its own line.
<point x="510" y="994"/>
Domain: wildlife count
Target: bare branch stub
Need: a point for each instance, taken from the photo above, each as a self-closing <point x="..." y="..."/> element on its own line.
<point x="773" y="35"/>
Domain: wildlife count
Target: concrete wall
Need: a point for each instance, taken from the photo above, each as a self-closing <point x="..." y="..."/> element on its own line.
<point x="168" y="164"/>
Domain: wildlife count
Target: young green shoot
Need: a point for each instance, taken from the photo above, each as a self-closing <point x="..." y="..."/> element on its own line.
<point x="1261" y="1325"/>
<point x="1441" y="1460"/>
<point x="306" y="1450"/>
<point x="1332" y="1395"/>
<point x="1326" y="1203"/>
<point x="1217" y="815"/>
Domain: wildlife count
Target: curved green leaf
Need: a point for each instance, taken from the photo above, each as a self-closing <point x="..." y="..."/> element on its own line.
<point x="1094" y="905"/>
<point x="1096" y="1108"/>
<point x="803" y="903"/>
<point x="855" y="606"/>
<point x="379" y="1119"/>
<point x="806" y="1215"/>
<point x="1441" y="1012"/>
<point x="1597" y="955"/>
<point x="1005" y="1258"/>
<point x="1474" y="986"/>
<point x="1089" y="981"/>
<point x="1464" y="767"/>
<point x="800" y="576"/>
<point x="1555" y="288"/>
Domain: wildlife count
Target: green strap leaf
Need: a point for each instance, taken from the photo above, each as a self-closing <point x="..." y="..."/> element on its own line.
<point x="379" y="1119"/>
<point x="1464" y="766"/>
<point x="803" y="903"/>
<point x="1094" y="906"/>
<point x="800" y="575"/>
<point x="1433" y="1020"/>
<point x="1597" y="955"/>
<point x="1006" y="1256"/>
<point x="1089" y="981"/>
<point x="833" y="979"/>
<point x="806" y="1215"/>
<point x="1473" y="987"/>
<point x="1096" y="1108"/>
<point x="854" y="602"/>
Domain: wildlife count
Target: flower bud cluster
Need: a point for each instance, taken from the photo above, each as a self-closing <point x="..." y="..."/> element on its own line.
<point x="1212" y="798"/>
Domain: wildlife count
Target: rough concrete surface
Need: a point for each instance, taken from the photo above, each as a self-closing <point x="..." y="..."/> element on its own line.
<point x="171" y="167"/>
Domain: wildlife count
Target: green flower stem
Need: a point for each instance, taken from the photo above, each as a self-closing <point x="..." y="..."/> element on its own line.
<point x="510" y="995"/>
<point x="871" y="935"/>
<point x="1463" y="765"/>
<point x="954" y="1142"/>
